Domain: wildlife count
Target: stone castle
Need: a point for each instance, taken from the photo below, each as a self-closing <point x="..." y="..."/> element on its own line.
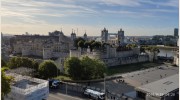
<point x="57" y="45"/>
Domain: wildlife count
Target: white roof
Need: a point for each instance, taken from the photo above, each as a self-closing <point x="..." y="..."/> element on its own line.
<point x="162" y="86"/>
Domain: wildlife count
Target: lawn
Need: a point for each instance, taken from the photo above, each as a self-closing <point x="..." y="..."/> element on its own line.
<point x="63" y="77"/>
<point x="130" y="67"/>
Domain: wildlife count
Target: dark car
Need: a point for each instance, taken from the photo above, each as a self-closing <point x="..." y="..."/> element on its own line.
<point x="53" y="83"/>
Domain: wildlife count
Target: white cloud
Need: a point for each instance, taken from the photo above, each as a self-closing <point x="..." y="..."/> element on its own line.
<point x="28" y="10"/>
<point x="131" y="14"/>
<point x="130" y="3"/>
<point x="169" y="3"/>
<point x="162" y="10"/>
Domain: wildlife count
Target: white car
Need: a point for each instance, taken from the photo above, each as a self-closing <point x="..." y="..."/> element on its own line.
<point x="94" y="94"/>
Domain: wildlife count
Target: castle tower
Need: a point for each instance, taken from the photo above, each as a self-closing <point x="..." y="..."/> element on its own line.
<point x="85" y="36"/>
<point x="121" y="37"/>
<point x="73" y="35"/>
<point x="104" y="35"/>
<point x="61" y="36"/>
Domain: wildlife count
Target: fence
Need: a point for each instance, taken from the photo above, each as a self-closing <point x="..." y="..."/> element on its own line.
<point x="109" y="95"/>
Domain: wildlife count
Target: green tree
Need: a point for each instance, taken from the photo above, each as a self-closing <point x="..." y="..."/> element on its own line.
<point x="47" y="69"/>
<point x="86" y="44"/>
<point x="88" y="68"/>
<point x="131" y="46"/>
<point x="85" y="68"/>
<point x="77" y="40"/>
<point x="100" y="69"/>
<point x="96" y="44"/>
<point x="3" y="63"/>
<point x="5" y="84"/>
<point x="81" y="44"/>
<point x="16" y="62"/>
<point x="73" y="68"/>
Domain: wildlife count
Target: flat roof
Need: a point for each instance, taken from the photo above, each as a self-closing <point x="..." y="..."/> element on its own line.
<point x="24" y="82"/>
<point x="142" y="77"/>
<point x="163" y="86"/>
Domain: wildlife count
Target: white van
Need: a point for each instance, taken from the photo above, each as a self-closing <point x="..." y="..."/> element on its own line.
<point x="94" y="94"/>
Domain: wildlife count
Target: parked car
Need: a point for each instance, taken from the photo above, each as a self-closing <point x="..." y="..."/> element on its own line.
<point x="54" y="83"/>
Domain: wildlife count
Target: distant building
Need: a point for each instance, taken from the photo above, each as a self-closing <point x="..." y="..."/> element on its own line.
<point x="117" y="40"/>
<point x="164" y="89"/>
<point x="53" y="46"/>
<point x="176" y="33"/>
<point x="27" y="88"/>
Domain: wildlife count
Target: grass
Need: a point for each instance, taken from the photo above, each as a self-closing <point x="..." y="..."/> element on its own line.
<point x="129" y="68"/>
<point x="63" y="77"/>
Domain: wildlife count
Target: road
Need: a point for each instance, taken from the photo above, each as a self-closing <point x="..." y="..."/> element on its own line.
<point x="60" y="96"/>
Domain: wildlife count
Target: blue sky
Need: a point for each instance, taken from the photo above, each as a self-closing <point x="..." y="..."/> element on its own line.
<point x="135" y="17"/>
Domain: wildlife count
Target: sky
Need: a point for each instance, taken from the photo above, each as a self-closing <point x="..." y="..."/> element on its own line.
<point x="135" y="17"/>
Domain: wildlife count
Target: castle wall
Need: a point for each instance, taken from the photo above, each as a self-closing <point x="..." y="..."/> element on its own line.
<point x="125" y="60"/>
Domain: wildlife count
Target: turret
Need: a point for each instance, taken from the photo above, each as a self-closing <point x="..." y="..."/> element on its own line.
<point x="121" y="37"/>
<point x="104" y="35"/>
<point x="73" y="35"/>
<point x="85" y="36"/>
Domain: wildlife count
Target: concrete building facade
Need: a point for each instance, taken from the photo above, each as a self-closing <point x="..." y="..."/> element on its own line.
<point x="27" y="88"/>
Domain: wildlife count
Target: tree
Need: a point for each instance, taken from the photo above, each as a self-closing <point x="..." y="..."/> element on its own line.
<point x="81" y="44"/>
<point x="16" y="62"/>
<point x="5" y="84"/>
<point x="85" y="68"/>
<point x="86" y="44"/>
<point x="73" y="68"/>
<point x="100" y="69"/>
<point x="47" y="69"/>
<point x="3" y="63"/>
<point x="88" y="68"/>
<point x="131" y="46"/>
<point x="77" y="40"/>
<point x="96" y="44"/>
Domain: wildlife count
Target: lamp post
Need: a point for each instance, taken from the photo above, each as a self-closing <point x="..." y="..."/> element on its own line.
<point x="66" y="88"/>
<point x="105" y="84"/>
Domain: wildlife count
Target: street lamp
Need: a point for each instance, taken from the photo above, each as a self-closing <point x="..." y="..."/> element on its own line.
<point x="105" y="84"/>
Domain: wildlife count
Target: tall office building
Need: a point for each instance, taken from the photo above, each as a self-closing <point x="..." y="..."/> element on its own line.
<point x="176" y="34"/>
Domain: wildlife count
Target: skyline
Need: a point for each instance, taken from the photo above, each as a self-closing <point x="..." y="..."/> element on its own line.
<point x="135" y="17"/>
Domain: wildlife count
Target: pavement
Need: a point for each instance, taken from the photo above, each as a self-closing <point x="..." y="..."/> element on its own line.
<point x="60" y="96"/>
<point x="150" y="75"/>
